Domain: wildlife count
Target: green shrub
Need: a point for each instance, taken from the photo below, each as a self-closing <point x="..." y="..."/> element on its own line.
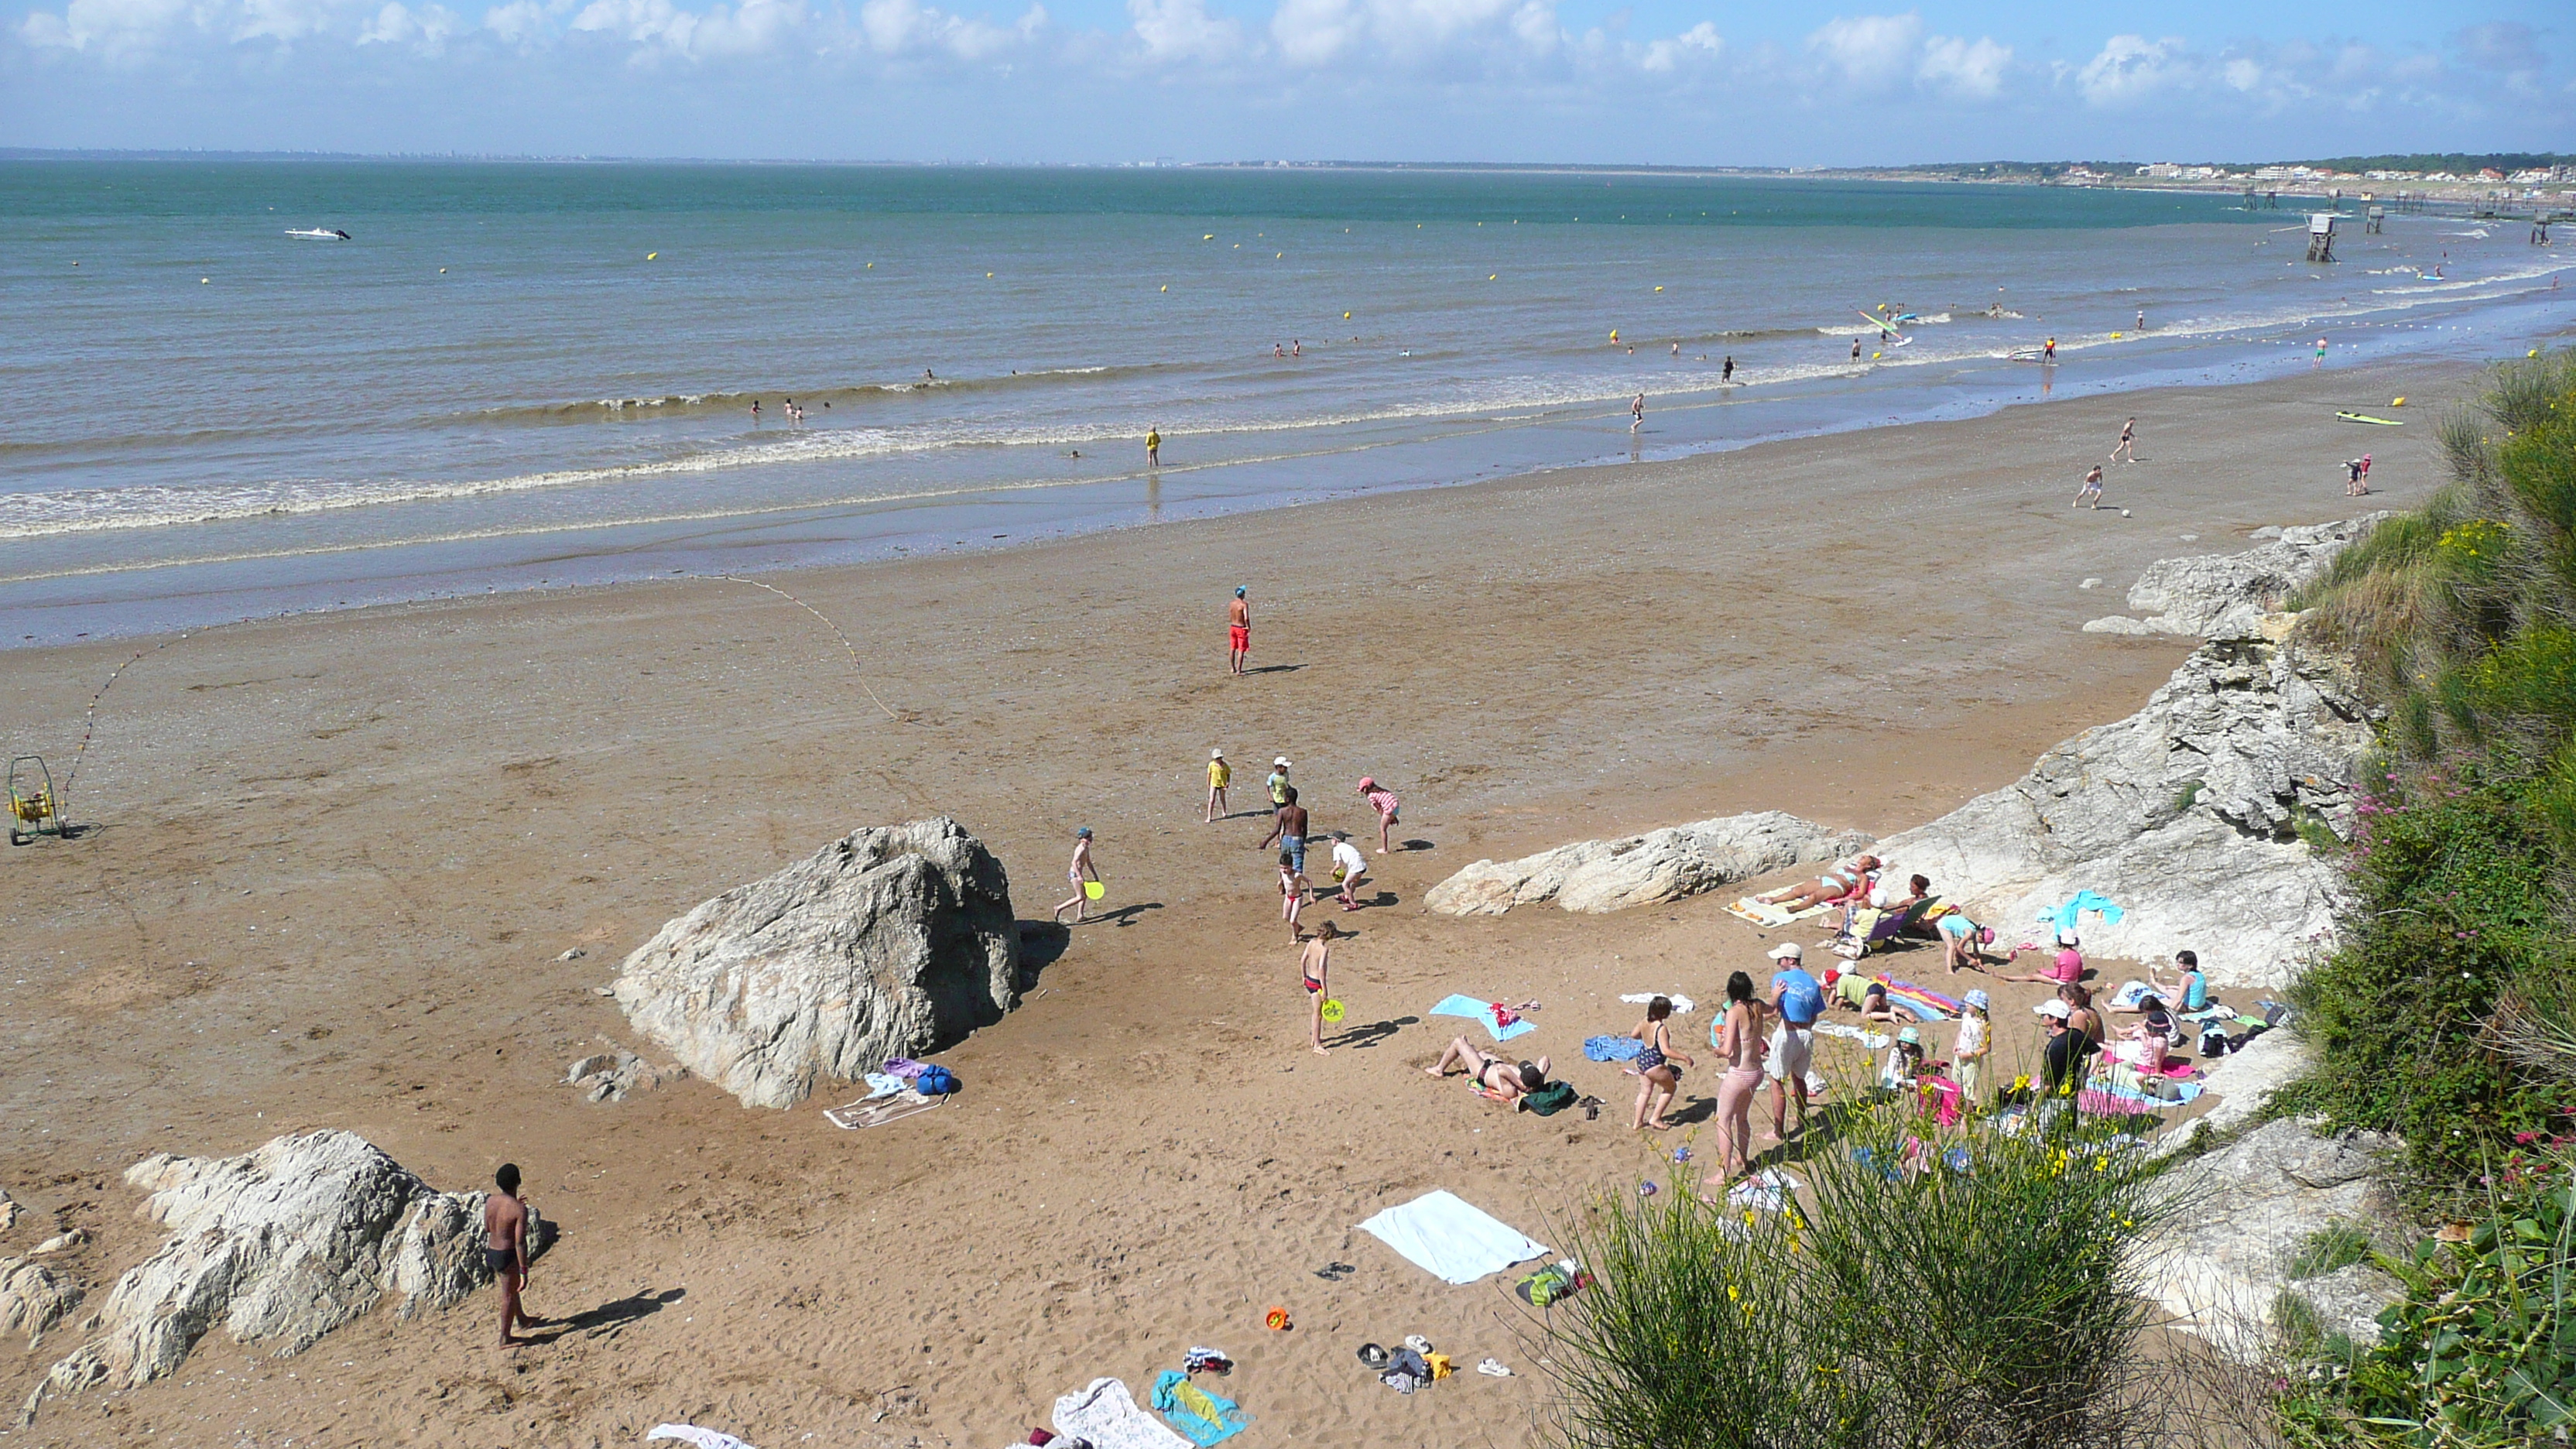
<point x="1986" y="1296"/>
<point x="2336" y="1245"/>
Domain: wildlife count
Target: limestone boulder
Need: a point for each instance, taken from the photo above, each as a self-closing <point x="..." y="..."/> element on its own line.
<point x="2245" y="1212"/>
<point x="2189" y="814"/>
<point x="34" y="1298"/>
<point x="1594" y="876"/>
<point x="2227" y="596"/>
<point x="278" y="1246"/>
<point x="890" y="941"/>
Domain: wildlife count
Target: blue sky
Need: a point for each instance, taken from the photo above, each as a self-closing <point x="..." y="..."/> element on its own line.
<point x="1661" y="81"/>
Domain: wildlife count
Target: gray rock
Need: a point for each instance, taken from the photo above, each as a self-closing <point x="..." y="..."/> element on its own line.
<point x="2227" y="596"/>
<point x="33" y="1297"/>
<point x="279" y="1246"/>
<point x="610" y="1075"/>
<point x="2090" y="584"/>
<point x="2348" y="1300"/>
<point x="2245" y="1081"/>
<point x="2267" y="532"/>
<point x="61" y="1242"/>
<point x="1594" y="876"/>
<point x="2186" y="813"/>
<point x="8" y="1211"/>
<point x="2243" y="1214"/>
<point x="2117" y="624"/>
<point x="885" y="943"/>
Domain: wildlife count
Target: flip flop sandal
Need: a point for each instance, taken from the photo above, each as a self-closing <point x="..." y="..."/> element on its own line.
<point x="1492" y="1368"/>
<point x="1335" y="1272"/>
<point x="1374" y="1357"/>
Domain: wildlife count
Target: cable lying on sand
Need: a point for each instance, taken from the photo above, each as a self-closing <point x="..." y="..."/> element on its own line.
<point x="846" y="646"/>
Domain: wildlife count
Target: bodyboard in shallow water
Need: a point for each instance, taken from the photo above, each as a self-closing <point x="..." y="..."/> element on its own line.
<point x="2367" y="418"/>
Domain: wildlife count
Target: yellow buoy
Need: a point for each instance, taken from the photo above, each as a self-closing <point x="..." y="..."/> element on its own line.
<point x="2397" y="402"/>
<point x="202" y="281"/>
<point x="1875" y="356"/>
<point x="1211" y="236"/>
<point x="2115" y="336"/>
<point x="872" y="266"/>
<point x="1167" y="286"/>
<point x="988" y="274"/>
<point x="1659" y="289"/>
<point x="1346" y="316"/>
<point x="652" y="256"/>
<point x="1282" y="254"/>
<point x="1493" y="276"/>
<point x="442" y="271"/>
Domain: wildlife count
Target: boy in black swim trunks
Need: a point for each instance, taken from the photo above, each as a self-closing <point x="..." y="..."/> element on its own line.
<point x="505" y="1250"/>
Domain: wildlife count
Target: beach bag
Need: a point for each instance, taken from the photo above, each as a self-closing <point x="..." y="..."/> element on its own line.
<point x="1551" y="1099"/>
<point x="1545" y="1286"/>
<point x="2213" y="1040"/>
<point x="935" y="1082"/>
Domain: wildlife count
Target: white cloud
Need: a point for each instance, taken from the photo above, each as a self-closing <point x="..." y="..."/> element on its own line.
<point x="1700" y="42"/>
<point x="1183" y="30"/>
<point x="660" y="27"/>
<point x="896" y="27"/>
<point x="516" y="23"/>
<point x="1412" y="33"/>
<point x="425" y="29"/>
<point x="1869" y="48"/>
<point x="112" y="27"/>
<point x="1964" y="67"/>
<point x="2131" y="68"/>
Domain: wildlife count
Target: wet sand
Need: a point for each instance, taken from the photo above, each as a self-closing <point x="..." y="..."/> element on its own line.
<point x="335" y="860"/>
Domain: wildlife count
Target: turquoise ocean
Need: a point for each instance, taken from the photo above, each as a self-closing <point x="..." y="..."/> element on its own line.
<point x="522" y="375"/>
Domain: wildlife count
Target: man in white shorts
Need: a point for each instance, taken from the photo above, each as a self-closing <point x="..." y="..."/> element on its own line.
<point x="1791" y="1064"/>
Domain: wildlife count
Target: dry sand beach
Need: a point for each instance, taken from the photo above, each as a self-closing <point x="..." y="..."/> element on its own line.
<point x="336" y="860"/>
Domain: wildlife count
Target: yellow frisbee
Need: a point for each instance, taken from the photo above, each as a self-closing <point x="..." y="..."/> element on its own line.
<point x="1332" y="1010"/>
<point x="1093" y="890"/>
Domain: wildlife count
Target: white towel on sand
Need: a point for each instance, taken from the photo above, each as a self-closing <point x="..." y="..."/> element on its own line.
<point x="1679" y="1001"/>
<point x="1106" y="1414"/>
<point x="1440" y="1234"/>
<point x="693" y="1435"/>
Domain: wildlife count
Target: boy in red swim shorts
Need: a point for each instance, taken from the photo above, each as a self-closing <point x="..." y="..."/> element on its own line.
<point x="1238" y="630"/>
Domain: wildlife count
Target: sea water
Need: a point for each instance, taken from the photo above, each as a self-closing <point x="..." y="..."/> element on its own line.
<point x="520" y="374"/>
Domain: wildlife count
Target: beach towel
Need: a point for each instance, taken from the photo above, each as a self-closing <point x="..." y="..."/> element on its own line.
<point x="1482" y="1011"/>
<point x="1771" y="917"/>
<point x="1767" y="1190"/>
<point x="1207" y="1418"/>
<point x="1640" y="998"/>
<point x="1440" y="1234"/>
<point x="1612" y="1048"/>
<point x="693" y="1435"/>
<point x="1920" y="1002"/>
<point x="2063" y="918"/>
<point x="1875" y="1041"/>
<point x="1106" y="1414"/>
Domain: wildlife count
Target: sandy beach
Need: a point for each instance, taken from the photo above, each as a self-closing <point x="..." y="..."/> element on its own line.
<point x="335" y="863"/>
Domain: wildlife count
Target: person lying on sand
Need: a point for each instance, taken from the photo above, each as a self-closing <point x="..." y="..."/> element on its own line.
<point x="1851" y="878"/>
<point x="1870" y="996"/>
<point x="1501" y="1080"/>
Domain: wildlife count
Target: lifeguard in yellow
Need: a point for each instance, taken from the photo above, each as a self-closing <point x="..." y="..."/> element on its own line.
<point x="1220" y="775"/>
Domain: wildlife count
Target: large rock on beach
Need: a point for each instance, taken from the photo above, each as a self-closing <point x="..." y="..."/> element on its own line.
<point x="33" y="1297"/>
<point x="1593" y="876"/>
<point x="2194" y="814"/>
<point x="2228" y="596"/>
<point x="280" y="1246"/>
<point x="2242" y="1216"/>
<point x="890" y="941"/>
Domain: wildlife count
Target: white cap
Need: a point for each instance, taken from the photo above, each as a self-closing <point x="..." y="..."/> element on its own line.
<point x="1788" y="951"/>
<point x="1281" y="762"/>
<point x="1216" y="754"/>
<point x="2056" y="1008"/>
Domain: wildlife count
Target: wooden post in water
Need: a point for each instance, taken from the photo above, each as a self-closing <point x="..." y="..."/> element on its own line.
<point x="2371" y="220"/>
<point x="2321" y="227"/>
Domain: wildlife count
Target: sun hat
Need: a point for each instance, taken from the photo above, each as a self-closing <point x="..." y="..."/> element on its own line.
<point x="1216" y="754"/>
<point x="1368" y="782"/>
<point x="1910" y="1036"/>
<point x="1976" y="999"/>
<point x="2066" y="936"/>
<point x="2055" y="1009"/>
<point x="1788" y="951"/>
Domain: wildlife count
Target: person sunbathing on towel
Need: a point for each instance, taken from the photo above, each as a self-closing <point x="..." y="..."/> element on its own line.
<point x="1888" y="899"/>
<point x="1501" y="1080"/>
<point x="2149" y="1042"/>
<point x="1844" y="881"/>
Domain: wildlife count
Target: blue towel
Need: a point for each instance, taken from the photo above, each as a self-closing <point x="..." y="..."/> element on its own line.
<point x="1230" y="1420"/>
<point x="2087" y="901"/>
<point x="1612" y="1048"/>
<point x="1482" y="1011"/>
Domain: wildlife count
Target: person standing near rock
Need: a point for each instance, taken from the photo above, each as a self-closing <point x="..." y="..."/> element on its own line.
<point x="1077" y="873"/>
<point x="1800" y="1000"/>
<point x="1238" y="629"/>
<point x="505" y="1250"/>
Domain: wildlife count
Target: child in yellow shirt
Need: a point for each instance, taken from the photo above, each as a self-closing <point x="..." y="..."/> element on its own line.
<point x="1220" y="775"/>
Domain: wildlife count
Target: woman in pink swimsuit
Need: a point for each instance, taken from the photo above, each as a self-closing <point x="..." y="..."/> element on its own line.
<point x="1739" y="1038"/>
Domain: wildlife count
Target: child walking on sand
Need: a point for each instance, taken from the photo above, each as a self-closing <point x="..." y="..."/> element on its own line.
<point x="1314" y="970"/>
<point x="1220" y="775"/>
<point x="1076" y="873"/>
<point x="1292" y="891"/>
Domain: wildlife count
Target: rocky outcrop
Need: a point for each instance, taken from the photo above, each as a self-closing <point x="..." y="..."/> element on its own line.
<point x="2244" y="1214"/>
<point x="2227" y="596"/>
<point x="610" y="1075"/>
<point x="8" y="1211"/>
<point x="1593" y="876"/>
<point x="888" y="942"/>
<point x="279" y="1246"/>
<point x="33" y="1297"/>
<point x="2191" y="814"/>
